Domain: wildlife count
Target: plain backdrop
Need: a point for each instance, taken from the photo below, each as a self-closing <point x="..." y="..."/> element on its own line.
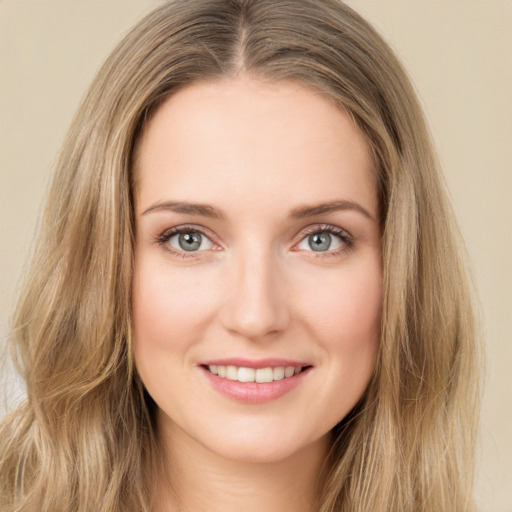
<point x="459" y="54"/>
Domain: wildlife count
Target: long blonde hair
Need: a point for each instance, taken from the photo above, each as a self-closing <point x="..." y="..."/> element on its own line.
<point x="84" y="440"/>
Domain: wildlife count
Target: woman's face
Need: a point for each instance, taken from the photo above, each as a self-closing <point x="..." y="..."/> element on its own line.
<point x="257" y="256"/>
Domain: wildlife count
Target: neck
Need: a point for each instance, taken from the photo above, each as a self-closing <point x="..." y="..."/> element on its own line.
<point x="199" y="480"/>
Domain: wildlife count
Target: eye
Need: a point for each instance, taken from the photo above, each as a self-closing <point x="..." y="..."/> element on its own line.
<point x="182" y="240"/>
<point x="190" y="241"/>
<point x="326" y="239"/>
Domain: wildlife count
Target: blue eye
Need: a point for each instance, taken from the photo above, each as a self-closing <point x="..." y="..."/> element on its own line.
<point x="186" y="239"/>
<point x="326" y="239"/>
<point x="320" y="242"/>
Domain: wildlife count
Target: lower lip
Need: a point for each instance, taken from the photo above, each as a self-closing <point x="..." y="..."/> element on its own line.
<point x="254" y="392"/>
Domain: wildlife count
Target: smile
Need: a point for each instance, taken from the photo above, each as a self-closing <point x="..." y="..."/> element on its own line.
<point x="260" y="375"/>
<point x="255" y="382"/>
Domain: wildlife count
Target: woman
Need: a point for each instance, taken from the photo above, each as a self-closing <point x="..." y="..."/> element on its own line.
<point x="248" y="290"/>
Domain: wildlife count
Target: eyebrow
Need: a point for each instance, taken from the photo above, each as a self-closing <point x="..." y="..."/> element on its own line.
<point x="300" y="212"/>
<point x="305" y="211"/>
<point x="204" y="210"/>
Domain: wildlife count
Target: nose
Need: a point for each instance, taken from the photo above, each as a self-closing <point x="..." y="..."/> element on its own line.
<point x="257" y="307"/>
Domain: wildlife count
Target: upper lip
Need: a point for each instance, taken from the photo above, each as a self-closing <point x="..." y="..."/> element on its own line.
<point x="269" y="362"/>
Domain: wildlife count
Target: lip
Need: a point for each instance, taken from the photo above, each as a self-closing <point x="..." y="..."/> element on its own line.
<point x="254" y="392"/>
<point x="271" y="362"/>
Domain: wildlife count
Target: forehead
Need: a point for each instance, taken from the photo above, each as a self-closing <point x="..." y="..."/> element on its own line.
<point x="256" y="140"/>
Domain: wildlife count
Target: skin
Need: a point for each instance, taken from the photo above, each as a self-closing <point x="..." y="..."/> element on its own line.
<point x="255" y="151"/>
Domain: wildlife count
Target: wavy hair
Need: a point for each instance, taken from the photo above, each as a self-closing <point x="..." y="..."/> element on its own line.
<point x="84" y="440"/>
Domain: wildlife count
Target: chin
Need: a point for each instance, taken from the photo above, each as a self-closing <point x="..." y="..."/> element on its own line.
<point x="260" y="447"/>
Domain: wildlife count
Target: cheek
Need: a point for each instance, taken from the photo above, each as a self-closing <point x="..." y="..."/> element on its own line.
<point x="170" y="311"/>
<point x="167" y="303"/>
<point x="341" y="311"/>
<point x="345" y="306"/>
<point x="344" y="317"/>
<point x="349" y="323"/>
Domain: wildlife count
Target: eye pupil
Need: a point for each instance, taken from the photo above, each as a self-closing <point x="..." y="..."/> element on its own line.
<point x="319" y="241"/>
<point x="190" y="241"/>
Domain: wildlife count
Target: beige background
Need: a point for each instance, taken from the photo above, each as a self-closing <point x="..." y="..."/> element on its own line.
<point x="459" y="54"/>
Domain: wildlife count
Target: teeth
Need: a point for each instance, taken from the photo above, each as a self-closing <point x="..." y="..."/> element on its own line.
<point x="246" y="374"/>
<point x="279" y="373"/>
<point x="264" y="375"/>
<point x="231" y="372"/>
<point x="289" y="371"/>
<point x="260" y="375"/>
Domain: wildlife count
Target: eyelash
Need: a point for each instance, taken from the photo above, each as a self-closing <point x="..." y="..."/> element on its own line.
<point x="169" y="233"/>
<point x="346" y="239"/>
